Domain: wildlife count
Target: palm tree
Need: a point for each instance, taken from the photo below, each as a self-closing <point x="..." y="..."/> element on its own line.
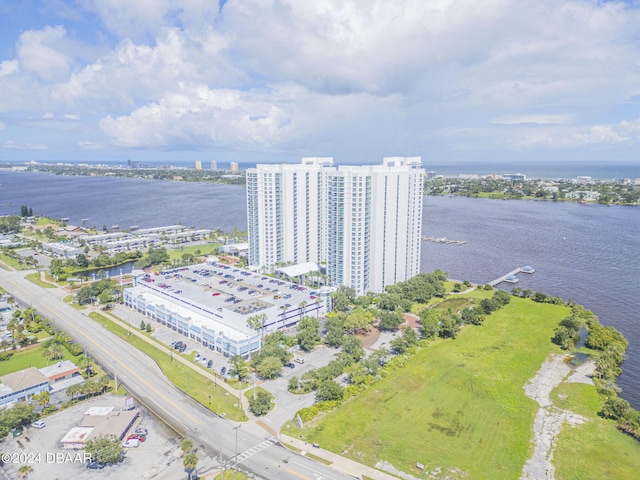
<point x="303" y="308"/>
<point x="25" y="470"/>
<point x="103" y="383"/>
<point x="43" y="398"/>
<point x="86" y="363"/>
<point x="257" y="322"/>
<point x="54" y="352"/>
<point x="190" y="462"/>
<point x="73" y="390"/>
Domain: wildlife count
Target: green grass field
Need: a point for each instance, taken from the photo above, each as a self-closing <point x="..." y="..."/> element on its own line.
<point x="31" y="357"/>
<point x="595" y="449"/>
<point x="191" y="382"/>
<point x="456" y="404"/>
<point x="206" y="249"/>
<point x="35" y="278"/>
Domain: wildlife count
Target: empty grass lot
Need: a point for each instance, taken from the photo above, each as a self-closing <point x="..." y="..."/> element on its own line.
<point x="456" y="404"/>
<point x="596" y="449"/>
<point x="31" y="357"/>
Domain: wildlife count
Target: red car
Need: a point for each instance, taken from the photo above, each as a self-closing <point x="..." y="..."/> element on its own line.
<point x="135" y="436"/>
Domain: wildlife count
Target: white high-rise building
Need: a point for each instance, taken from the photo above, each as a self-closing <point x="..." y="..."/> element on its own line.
<point x="286" y="212"/>
<point x="364" y="222"/>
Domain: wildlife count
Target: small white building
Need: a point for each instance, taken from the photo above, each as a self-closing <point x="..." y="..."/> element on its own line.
<point x="236" y="249"/>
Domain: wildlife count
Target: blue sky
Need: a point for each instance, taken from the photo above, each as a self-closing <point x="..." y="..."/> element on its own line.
<point x="461" y="81"/>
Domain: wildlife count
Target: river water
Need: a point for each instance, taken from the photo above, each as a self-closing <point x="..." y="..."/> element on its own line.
<point x="587" y="253"/>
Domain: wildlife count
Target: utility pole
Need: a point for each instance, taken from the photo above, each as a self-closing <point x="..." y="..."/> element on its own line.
<point x="236" y="429"/>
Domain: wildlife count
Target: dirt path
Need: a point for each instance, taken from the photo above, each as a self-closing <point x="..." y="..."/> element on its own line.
<point x="549" y="419"/>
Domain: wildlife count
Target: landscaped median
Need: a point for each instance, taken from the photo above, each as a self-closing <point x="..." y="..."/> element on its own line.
<point x="186" y="378"/>
<point x="35" y="278"/>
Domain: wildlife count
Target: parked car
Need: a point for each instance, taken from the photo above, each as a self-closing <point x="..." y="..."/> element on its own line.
<point x="182" y="348"/>
<point x="210" y="364"/>
<point x="141" y="431"/>
<point x="203" y="360"/>
<point x="38" y="424"/>
<point x="198" y="357"/>
<point x="131" y="443"/>
<point x="223" y="370"/>
<point x="137" y="436"/>
<point x="95" y="466"/>
<point x="299" y="360"/>
<point x="291" y="365"/>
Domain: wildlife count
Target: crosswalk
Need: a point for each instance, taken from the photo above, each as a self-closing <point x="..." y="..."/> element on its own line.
<point x="258" y="448"/>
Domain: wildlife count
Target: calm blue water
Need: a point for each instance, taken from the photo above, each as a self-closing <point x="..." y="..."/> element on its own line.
<point x="587" y="253"/>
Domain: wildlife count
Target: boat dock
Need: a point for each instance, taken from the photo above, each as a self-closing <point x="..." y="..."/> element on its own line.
<point x="511" y="276"/>
<point x="443" y="240"/>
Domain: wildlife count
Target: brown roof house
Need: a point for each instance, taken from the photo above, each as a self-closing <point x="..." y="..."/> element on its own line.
<point x="22" y="385"/>
<point x="98" y="422"/>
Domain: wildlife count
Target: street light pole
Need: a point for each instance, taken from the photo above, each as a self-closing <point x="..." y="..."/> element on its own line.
<point x="236" y="429"/>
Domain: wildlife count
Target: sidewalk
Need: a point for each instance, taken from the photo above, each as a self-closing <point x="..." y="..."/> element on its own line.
<point x="168" y="351"/>
<point x="338" y="462"/>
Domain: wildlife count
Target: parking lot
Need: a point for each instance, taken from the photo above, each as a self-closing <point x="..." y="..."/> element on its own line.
<point x="155" y="458"/>
<point x="166" y="335"/>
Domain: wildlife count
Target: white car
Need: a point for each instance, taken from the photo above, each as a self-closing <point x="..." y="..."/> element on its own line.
<point x="198" y="357"/>
<point x="204" y="360"/>
<point x="38" y="424"/>
<point x="131" y="443"/>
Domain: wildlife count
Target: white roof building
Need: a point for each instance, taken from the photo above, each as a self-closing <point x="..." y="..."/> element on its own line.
<point x="212" y="302"/>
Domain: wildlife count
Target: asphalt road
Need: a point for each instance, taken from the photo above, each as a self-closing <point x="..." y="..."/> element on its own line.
<point x="258" y="452"/>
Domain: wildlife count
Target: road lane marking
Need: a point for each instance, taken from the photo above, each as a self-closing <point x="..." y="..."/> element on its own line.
<point x="293" y="472"/>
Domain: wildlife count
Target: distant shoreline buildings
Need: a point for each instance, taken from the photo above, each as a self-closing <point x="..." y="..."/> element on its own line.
<point x="363" y="223"/>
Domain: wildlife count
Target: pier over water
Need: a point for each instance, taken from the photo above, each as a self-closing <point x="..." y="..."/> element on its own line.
<point x="525" y="269"/>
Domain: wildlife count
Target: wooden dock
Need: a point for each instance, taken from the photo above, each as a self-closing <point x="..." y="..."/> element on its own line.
<point x="504" y="277"/>
<point x="444" y="240"/>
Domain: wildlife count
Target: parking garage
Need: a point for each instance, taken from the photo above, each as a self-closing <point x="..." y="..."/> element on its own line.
<point x="212" y="303"/>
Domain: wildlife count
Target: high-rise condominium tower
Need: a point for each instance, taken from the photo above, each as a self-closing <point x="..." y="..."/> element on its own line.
<point x="364" y="222"/>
